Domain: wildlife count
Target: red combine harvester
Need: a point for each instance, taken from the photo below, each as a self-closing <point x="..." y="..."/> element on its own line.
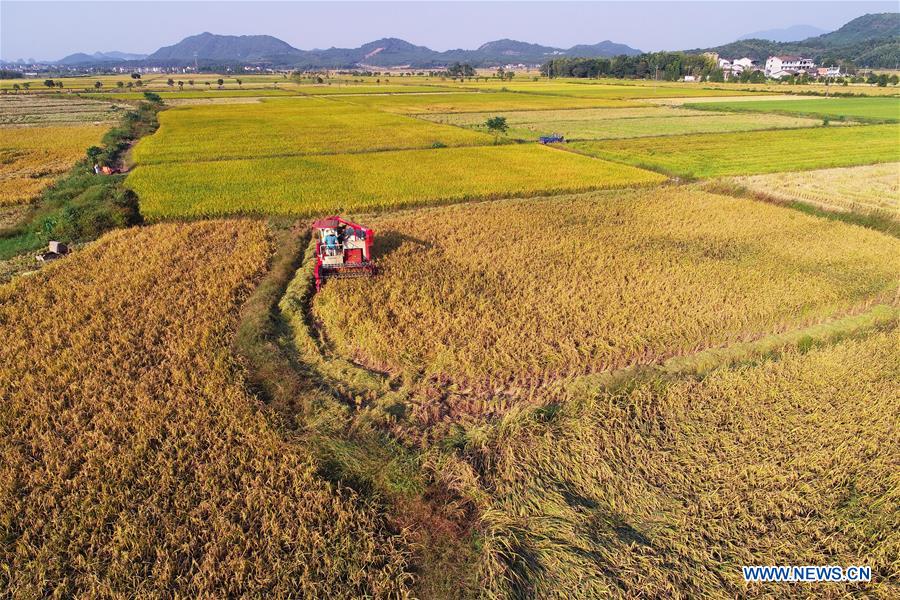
<point x="343" y="250"/>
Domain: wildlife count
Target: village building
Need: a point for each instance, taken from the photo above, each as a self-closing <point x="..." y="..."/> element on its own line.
<point x="783" y="66"/>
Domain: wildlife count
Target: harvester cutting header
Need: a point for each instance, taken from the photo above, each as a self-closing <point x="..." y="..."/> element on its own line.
<point x="343" y="250"/>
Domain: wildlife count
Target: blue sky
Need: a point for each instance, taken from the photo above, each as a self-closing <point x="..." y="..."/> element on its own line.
<point x="51" y="30"/>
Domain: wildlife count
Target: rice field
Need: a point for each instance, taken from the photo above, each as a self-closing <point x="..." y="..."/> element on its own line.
<point x="617" y="123"/>
<point x="132" y="457"/>
<point x="591" y="89"/>
<point x="31" y="157"/>
<point x="316" y="185"/>
<point x="49" y="110"/>
<point x="667" y="488"/>
<point x="756" y="152"/>
<point x="192" y="94"/>
<point x="289" y="127"/>
<point x="882" y="110"/>
<point x="871" y="188"/>
<point x="366" y="88"/>
<point x="522" y="291"/>
<point x="478" y="102"/>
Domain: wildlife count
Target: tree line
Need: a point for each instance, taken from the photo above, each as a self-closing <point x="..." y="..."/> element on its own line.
<point x="668" y="66"/>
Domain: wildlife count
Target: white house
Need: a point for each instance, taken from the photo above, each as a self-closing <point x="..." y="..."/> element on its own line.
<point x="780" y="66"/>
<point x="739" y="65"/>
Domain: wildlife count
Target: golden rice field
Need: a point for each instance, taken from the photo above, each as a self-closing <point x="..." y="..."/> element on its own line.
<point x="478" y="102"/>
<point x="617" y="123"/>
<point x="666" y="489"/>
<point x="30" y="157"/>
<point x="861" y="189"/>
<point x="289" y="127"/>
<point x="316" y="185"/>
<point x="134" y="463"/>
<point x="755" y="152"/>
<point x="529" y="290"/>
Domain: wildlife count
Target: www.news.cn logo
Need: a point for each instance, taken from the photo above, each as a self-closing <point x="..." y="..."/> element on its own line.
<point x="807" y="574"/>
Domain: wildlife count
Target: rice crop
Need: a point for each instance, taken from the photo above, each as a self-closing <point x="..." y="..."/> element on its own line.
<point x="192" y="94"/>
<point x="859" y="189"/>
<point x="382" y="88"/>
<point x="315" y="185"/>
<point x="30" y="157"/>
<point x="478" y="102"/>
<point x="133" y="463"/>
<point x="617" y="123"/>
<point x="289" y="127"/>
<point x="749" y="153"/>
<point x="882" y="109"/>
<point x="519" y="292"/>
<point x="665" y="490"/>
<point x="589" y="89"/>
<point x="49" y="110"/>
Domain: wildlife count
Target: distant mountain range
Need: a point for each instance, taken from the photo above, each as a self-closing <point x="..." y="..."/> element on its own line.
<point x="99" y="57"/>
<point x="209" y="48"/>
<point x="788" y="34"/>
<point x="871" y="41"/>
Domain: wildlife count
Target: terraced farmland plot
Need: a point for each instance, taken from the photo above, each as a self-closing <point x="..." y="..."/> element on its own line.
<point x="50" y="110"/>
<point x="615" y="123"/>
<point x="31" y="157"/>
<point x="289" y="127"/>
<point x="862" y="109"/>
<point x="478" y="102"/>
<point x="313" y="185"/>
<point x="860" y="189"/>
<point x="519" y="291"/>
<point x="674" y="485"/>
<point x="709" y="155"/>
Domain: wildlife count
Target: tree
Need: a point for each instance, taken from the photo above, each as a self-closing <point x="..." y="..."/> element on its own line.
<point x="220" y="82"/>
<point x="207" y="83"/>
<point x="180" y="86"/>
<point x="59" y="84"/>
<point x="129" y="85"/>
<point x="93" y="152"/>
<point x="26" y="86"/>
<point x="98" y="84"/>
<point x="460" y="70"/>
<point x="49" y="83"/>
<point x="170" y="82"/>
<point x="139" y="83"/>
<point x="191" y="82"/>
<point x="16" y="87"/>
<point x="135" y="75"/>
<point x="239" y="82"/>
<point x="497" y="126"/>
<point x="120" y="84"/>
<point x="152" y="98"/>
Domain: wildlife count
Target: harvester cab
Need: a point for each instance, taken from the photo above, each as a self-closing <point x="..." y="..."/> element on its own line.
<point x="343" y="250"/>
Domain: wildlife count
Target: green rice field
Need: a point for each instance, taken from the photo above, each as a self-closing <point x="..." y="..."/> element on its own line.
<point x="289" y="127"/>
<point x="613" y="123"/>
<point x="745" y="153"/>
<point x="372" y="181"/>
<point x="884" y="109"/>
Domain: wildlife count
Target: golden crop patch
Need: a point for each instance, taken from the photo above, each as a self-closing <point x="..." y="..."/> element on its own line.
<point x="131" y="456"/>
<point x="528" y="290"/>
<point x="675" y="485"/>
<point x="863" y="189"/>
<point x="30" y="157"/>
